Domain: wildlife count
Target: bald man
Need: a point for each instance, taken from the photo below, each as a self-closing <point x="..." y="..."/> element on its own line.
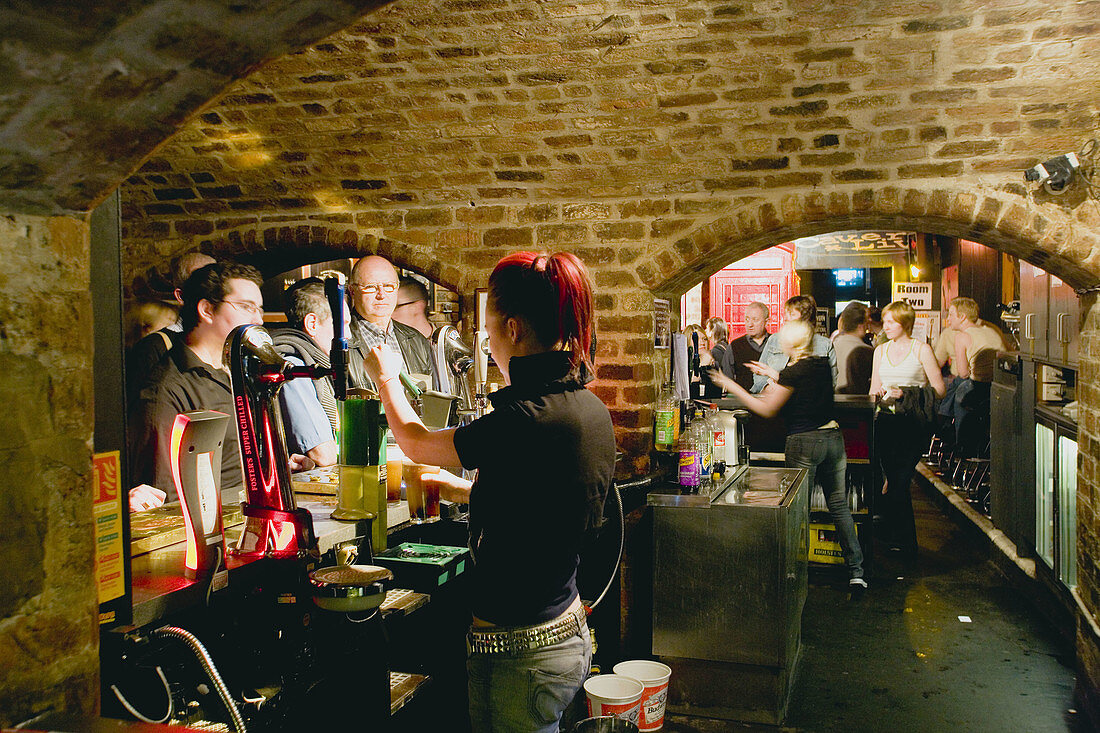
<point x="372" y="292"/>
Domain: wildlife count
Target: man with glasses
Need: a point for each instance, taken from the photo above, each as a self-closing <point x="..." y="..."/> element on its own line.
<point x="216" y="299"/>
<point x="373" y="292"/>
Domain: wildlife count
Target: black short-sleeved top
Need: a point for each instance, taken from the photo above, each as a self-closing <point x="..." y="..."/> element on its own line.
<point x="811" y="404"/>
<point x="181" y="382"/>
<point x="741" y="351"/>
<point x="545" y="457"/>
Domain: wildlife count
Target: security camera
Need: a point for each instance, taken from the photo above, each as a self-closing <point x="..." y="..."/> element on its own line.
<point x="1054" y="173"/>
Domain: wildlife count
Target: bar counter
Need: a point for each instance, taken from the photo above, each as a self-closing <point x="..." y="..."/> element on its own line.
<point x="160" y="589"/>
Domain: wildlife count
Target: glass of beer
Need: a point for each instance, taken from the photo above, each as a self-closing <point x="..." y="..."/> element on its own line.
<point x="423" y="496"/>
<point x="394" y="462"/>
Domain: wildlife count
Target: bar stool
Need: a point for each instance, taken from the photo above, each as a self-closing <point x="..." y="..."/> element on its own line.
<point x="934" y="455"/>
<point x="975" y="476"/>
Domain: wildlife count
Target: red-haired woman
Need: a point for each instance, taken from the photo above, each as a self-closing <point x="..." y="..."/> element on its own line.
<point x="545" y="458"/>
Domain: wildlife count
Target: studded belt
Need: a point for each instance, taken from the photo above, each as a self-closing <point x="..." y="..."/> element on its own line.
<point x="515" y="640"/>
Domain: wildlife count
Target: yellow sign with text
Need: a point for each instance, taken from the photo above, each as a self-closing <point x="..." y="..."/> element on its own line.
<point x="107" y="507"/>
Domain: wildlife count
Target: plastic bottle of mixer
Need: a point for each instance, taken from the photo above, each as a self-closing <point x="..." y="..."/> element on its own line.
<point x="667" y="420"/>
<point x="689" y="464"/>
<point x="702" y="436"/>
<point x="718" y="430"/>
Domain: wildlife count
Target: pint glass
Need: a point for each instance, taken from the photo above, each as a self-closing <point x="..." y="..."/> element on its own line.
<point x="423" y="496"/>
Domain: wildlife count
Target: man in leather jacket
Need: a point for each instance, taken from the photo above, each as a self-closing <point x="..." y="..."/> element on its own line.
<point x="373" y="292"/>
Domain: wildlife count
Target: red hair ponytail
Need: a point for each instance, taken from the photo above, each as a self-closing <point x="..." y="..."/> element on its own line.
<point x="552" y="293"/>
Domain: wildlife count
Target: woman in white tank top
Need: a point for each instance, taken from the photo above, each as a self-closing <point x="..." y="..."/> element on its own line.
<point x="903" y="361"/>
<point x="899" y="438"/>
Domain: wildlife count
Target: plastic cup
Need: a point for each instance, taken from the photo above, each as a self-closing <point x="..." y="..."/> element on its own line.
<point x="654" y="678"/>
<point x="423" y="497"/>
<point x="614" y="694"/>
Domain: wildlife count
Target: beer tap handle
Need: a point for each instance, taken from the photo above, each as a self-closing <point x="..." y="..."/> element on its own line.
<point x="338" y="354"/>
<point x="695" y="352"/>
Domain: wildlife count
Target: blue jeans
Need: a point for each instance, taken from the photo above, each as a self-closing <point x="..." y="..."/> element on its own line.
<point x="821" y="453"/>
<point x="528" y="692"/>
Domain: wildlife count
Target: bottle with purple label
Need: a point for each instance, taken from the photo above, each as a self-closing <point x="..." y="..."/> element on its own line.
<point x="690" y="459"/>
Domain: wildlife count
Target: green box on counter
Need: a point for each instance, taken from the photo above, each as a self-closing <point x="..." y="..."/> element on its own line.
<point x="423" y="568"/>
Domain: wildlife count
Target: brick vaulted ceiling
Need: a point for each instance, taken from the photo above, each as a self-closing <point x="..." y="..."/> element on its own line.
<point x="645" y="117"/>
<point x="88" y="89"/>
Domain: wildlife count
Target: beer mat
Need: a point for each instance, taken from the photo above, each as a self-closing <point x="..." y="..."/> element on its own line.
<point x="164" y="526"/>
<point x="403" y="687"/>
<point x="322" y="481"/>
<point x="402" y="601"/>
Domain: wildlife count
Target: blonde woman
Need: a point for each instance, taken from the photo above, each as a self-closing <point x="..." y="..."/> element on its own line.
<point x="904" y="376"/>
<point x="803" y="394"/>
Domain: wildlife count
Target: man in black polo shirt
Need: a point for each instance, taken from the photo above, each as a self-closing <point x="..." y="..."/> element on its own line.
<point x="216" y="299"/>
<point x="748" y="347"/>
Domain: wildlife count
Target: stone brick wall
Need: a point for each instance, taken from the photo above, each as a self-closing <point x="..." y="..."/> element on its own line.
<point x="659" y="140"/>
<point x="48" y="614"/>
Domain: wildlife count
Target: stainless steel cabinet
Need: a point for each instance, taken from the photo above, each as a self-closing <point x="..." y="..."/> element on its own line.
<point x="1049" y="317"/>
<point x="1064" y="323"/>
<point x="1034" y="296"/>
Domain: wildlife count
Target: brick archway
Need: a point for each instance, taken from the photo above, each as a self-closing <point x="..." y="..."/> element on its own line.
<point x="1045" y="235"/>
<point x="279" y="248"/>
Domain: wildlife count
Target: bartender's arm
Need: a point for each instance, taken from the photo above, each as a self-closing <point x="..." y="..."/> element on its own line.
<point x="452" y="488"/>
<point x="433" y="447"/>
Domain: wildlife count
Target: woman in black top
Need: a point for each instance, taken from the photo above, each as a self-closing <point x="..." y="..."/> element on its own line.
<point x="545" y="458"/>
<point x="804" y="396"/>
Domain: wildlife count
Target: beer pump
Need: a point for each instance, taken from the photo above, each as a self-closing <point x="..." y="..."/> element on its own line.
<point x="195" y="449"/>
<point x="697" y="386"/>
<point x="274" y="524"/>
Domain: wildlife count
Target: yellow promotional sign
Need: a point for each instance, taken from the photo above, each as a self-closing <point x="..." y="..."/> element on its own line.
<point x="107" y="507"/>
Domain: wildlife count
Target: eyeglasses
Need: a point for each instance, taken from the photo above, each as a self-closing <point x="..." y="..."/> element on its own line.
<point x="373" y="288"/>
<point x="256" y="310"/>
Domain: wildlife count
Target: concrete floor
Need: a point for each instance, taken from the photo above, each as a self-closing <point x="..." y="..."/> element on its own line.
<point x="900" y="659"/>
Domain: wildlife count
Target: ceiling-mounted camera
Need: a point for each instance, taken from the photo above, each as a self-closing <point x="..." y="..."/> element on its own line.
<point x="1055" y="173"/>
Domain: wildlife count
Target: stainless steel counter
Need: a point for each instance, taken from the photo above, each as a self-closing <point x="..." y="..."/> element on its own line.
<point x="730" y="580"/>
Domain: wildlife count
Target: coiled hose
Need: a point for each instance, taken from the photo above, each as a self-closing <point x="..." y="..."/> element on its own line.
<point x="207" y="663"/>
<point x="619" y="557"/>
